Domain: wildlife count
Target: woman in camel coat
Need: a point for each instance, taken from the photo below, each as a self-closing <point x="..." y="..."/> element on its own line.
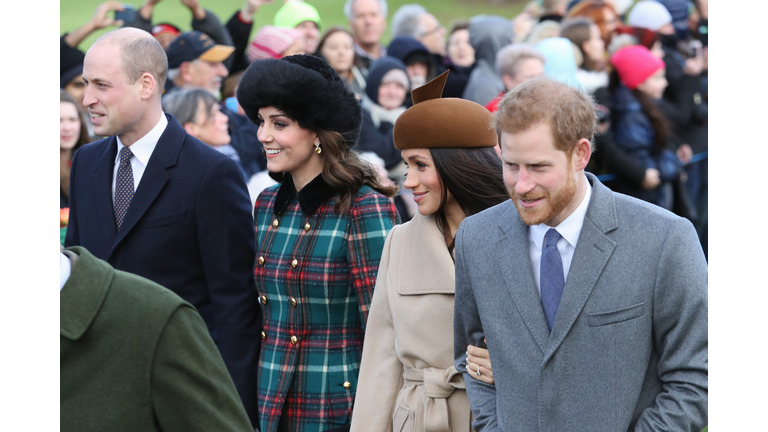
<point x="407" y="379"/>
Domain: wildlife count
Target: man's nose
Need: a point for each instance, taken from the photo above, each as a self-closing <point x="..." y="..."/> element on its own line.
<point x="88" y="98"/>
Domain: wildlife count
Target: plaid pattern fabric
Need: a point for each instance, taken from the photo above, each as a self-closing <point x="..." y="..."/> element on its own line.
<point x="316" y="274"/>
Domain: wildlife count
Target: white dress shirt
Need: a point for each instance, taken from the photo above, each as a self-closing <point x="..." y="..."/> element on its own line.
<point x="569" y="230"/>
<point x="142" y="150"/>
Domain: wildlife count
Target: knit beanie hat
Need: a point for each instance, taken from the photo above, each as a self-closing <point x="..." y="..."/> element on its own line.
<point x="435" y="122"/>
<point x="296" y="12"/>
<point x="271" y="42"/>
<point x="649" y="14"/>
<point x="635" y="64"/>
<point x="306" y="89"/>
<point x="678" y="10"/>
<point x="379" y="68"/>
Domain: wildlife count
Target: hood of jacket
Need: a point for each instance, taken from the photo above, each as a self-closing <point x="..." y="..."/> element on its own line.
<point x="488" y="34"/>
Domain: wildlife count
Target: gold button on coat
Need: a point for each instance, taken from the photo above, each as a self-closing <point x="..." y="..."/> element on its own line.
<point x="261" y="260"/>
<point x="294" y="340"/>
<point x="347" y="385"/>
<point x="275" y="223"/>
<point x="264" y="299"/>
<point x="263" y="336"/>
<point x="293" y="302"/>
<point x="294" y="263"/>
<point x="307" y="226"/>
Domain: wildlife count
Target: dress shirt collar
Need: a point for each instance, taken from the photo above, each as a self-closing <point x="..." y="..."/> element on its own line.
<point x="143" y="148"/>
<point x="570" y="228"/>
<point x="310" y="196"/>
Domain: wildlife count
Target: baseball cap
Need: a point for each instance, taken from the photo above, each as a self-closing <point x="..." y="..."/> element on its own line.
<point x="195" y="45"/>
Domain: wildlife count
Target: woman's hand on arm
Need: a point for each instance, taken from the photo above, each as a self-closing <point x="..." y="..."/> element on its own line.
<point x="478" y="359"/>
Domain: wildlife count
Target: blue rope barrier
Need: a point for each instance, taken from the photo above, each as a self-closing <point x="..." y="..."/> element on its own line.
<point x="696" y="158"/>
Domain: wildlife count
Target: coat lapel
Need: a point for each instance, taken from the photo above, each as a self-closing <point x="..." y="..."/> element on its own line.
<point x="518" y="273"/>
<point x="431" y="260"/>
<point x="103" y="172"/>
<point x="155" y="177"/>
<point x="83" y="293"/>
<point x="592" y="253"/>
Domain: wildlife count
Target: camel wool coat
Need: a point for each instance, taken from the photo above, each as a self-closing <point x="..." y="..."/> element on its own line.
<point x="407" y="379"/>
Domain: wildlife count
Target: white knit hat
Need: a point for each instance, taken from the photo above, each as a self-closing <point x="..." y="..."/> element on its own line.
<point x="649" y="14"/>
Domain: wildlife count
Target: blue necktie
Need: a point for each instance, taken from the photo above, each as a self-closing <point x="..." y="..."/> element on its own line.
<point x="123" y="186"/>
<point x="552" y="279"/>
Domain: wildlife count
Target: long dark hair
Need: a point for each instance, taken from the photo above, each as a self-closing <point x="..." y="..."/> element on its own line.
<point x="345" y="171"/>
<point x="473" y="176"/>
<point x="650" y="108"/>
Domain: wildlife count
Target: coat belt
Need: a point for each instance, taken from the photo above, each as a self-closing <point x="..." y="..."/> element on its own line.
<point x="439" y="384"/>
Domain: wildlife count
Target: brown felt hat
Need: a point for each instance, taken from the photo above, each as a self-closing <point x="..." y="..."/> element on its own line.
<point x="435" y="122"/>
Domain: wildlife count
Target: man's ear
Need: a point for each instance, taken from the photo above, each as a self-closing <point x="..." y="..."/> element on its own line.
<point x="581" y="154"/>
<point x="147" y="85"/>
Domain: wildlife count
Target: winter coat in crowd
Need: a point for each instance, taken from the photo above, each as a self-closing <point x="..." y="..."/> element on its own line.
<point x="378" y="122"/>
<point x="633" y="132"/>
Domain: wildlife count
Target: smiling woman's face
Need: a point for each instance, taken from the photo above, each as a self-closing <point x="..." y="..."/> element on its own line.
<point x="423" y="180"/>
<point x="290" y="148"/>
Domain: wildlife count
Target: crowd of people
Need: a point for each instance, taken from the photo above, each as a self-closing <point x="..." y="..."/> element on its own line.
<point x="360" y="227"/>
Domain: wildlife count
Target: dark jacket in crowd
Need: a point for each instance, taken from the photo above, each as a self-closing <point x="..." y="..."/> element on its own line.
<point x="458" y="77"/>
<point x="633" y="133"/>
<point x="609" y="158"/>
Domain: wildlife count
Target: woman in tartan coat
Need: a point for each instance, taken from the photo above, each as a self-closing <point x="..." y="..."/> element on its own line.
<point x="319" y="237"/>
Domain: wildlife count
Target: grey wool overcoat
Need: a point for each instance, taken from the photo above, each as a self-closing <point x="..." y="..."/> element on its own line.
<point x="628" y="348"/>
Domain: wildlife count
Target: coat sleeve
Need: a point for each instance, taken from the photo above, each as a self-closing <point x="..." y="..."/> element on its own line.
<point x="227" y="246"/>
<point x="680" y="313"/>
<point x="468" y="330"/>
<point x="370" y="218"/>
<point x="381" y="372"/>
<point x="211" y="26"/>
<point x="191" y="389"/>
<point x="240" y="32"/>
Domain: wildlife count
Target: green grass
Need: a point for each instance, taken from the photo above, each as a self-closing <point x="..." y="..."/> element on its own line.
<point x="75" y="13"/>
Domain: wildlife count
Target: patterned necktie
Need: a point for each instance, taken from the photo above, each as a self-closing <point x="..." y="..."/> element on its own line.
<point x="552" y="279"/>
<point x="123" y="186"/>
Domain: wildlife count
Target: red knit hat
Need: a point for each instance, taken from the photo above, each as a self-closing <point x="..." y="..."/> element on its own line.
<point x="635" y="64"/>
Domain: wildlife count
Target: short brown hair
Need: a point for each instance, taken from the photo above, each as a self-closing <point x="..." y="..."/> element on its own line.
<point x="144" y="55"/>
<point x="570" y="112"/>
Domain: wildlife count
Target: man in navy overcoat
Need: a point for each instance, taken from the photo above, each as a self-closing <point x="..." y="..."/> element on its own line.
<point x="154" y="201"/>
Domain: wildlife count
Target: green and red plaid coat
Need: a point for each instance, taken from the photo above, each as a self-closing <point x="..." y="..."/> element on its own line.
<point x="315" y="273"/>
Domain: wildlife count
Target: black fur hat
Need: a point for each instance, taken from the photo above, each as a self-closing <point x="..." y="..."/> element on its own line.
<point x="306" y="89"/>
